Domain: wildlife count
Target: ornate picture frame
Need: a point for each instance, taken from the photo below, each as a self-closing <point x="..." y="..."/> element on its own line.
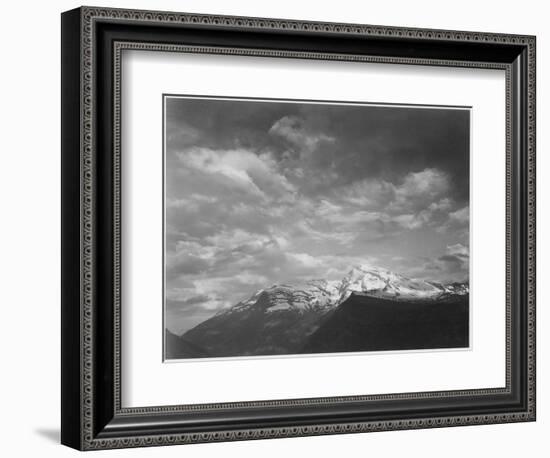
<point x="93" y="414"/>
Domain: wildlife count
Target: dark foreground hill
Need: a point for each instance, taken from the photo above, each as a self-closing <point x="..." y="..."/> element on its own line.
<point x="364" y="323"/>
<point x="176" y="347"/>
<point x="361" y="323"/>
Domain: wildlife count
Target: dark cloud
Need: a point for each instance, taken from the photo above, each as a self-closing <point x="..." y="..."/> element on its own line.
<point x="265" y="192"/>
<point x="356" y="141"/>
<point x="193" y="300"/>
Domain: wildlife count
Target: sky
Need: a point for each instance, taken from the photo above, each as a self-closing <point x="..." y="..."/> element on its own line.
<point x="265" y="192"/>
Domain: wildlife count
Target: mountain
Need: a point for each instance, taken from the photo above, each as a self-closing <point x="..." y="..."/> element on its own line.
<point x="312" y="295"/>
<point x="380" y="282"/>
<point x="273" y="321"/>
<point x="175" y="347"/>
<point x="290" y="319"/>
<point x="369" y="323"/>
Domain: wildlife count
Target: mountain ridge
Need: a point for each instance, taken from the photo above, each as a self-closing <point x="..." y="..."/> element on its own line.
<point x="364" y="279"/>
<point x="281" y="318"/>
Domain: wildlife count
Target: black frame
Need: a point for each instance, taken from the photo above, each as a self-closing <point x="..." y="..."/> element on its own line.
<point x="92" y="42"/>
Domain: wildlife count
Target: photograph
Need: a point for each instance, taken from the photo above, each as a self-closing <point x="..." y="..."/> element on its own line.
<point x="300" y="227"/>
<point x="280" y="224"/>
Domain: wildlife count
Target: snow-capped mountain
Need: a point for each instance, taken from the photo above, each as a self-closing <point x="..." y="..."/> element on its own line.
<point x="363" y="279"/>
<point x="312" y="295"/>
<point x="287" y="319"/>
<point x="380" y="282"/>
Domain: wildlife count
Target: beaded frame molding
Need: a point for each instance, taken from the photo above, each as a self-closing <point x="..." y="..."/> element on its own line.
<point x="93" y="40"/>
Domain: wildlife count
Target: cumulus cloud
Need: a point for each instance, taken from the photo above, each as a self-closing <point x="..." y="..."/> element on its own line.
<point x="420" y="189"/>
<point x="254" y="173"/>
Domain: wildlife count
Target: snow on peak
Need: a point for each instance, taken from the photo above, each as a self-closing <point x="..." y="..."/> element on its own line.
<point x="314" y="294"/>
<point x="362" y="279"/>
<point x="381" y="282"/>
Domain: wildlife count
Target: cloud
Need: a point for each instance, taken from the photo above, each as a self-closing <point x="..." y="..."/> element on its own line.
<point x="243" y="169"/>
<point x="250" y="244"/>
<point x="409" y="221"/>
<point x="306" y="229"/>
<point x="189" y="257"/>
<point x="458" y="222"/>
<point x="458" y="250"/>
<point x="420" y="189"/>
<point x="191" y="203"/>
<point x="452" y="265"/>
<point x="237" y="239"/>
<point x="305" y="260"/>
<point x="369" y="193"/>
<point x="417" y="201"/>
<point x="262" y="193"/>
<point x="461" y="216"/>
<point x="248" y="278"/>
<point x="198" y="299"/>
<point x="291" y="128"/>
<point x="182" y="134"/>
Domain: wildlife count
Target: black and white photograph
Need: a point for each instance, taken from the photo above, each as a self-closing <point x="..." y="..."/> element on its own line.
<point x="280" y="222"/>
<point x="310" y="227"/>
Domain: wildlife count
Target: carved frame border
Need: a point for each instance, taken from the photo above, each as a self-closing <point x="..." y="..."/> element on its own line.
<point x="88" y="17"/>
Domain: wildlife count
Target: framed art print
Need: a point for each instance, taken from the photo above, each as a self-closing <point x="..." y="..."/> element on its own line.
<point x="278" y="212"/>
<point x="293" y="228"/>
